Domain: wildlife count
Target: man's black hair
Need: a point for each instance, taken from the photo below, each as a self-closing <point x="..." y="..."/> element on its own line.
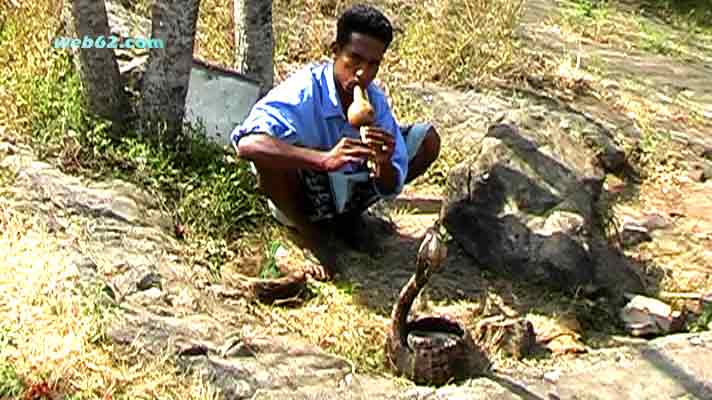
<point x="363" y="19"/>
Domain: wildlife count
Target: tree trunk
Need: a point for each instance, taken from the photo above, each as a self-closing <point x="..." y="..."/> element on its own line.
<point x="165" y="82"/>
<point x="98" y="67"/>
<point x="254" y="43"/>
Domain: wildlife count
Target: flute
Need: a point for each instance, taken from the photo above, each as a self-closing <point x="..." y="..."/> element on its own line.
<point x="361" y="115"/>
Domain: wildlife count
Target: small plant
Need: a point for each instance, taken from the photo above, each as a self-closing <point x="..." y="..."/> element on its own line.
<point x="10" y="384"/>
<point x="587" y="8"/>
<point x="589" y="18"/>
<point x="704" y="321"/>
<point x="655" y="40"/>
<point x="270" y="270"/>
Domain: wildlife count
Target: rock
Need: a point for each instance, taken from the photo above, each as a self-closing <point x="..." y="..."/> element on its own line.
<point x="150" y="280"/>
<point x="673" y="367"/>
<point x="610" y="84"/>
<point x="633" y="234"/>
<point x="289" y="362"/>
<point x="564" y="337"/>
<point x="527" y="210"/>
<point x="149" y="296"/>
<point x="701" y="172"/>
<point x="552" y="376"/>
<point x="644" y="316"/>
<point x="7" y="149"/>
<point x="511" y="337"/>
<point x="707" y="153"/>
<point x="419" y="203"/>
<point x="87" y="268"/>
<point x="655" y="221"/>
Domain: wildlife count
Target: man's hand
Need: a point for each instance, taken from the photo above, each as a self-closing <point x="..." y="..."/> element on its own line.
<point x="383" y="144"/>
<point x="346" y="151"/>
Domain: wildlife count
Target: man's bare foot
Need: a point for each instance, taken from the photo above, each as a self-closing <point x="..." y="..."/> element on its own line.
<point x="318" y="272"/>
<point x="321" y="255"/>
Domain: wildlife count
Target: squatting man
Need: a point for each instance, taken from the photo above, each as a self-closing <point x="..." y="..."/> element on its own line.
<point x="311" y="163"/>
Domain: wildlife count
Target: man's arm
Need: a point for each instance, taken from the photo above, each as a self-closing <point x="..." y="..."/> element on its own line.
<point x="265" y="149"/>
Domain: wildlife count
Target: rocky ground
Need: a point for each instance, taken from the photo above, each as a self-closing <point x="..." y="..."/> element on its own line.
<point x="119" y="238"/>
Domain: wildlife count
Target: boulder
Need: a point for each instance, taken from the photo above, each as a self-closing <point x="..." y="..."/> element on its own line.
<point x="526" y="206"/>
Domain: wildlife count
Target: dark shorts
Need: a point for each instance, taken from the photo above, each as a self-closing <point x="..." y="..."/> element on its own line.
<point x="331" y="194"/>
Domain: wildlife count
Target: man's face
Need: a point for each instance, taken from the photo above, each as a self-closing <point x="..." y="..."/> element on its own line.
<point x="357" y="62"/>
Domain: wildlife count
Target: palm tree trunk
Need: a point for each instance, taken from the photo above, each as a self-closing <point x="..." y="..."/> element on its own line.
<point x="254" y="42"/>
<point x="165" y="83"/>
<point x="99" y="70"/>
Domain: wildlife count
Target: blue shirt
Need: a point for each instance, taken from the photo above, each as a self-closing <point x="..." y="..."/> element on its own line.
<point x="305" y="110"/>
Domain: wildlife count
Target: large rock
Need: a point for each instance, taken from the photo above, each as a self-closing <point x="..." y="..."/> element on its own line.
<point x="527" y="206"/>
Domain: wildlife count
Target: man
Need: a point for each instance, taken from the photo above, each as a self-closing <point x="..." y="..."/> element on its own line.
<point x="311" y="162"/>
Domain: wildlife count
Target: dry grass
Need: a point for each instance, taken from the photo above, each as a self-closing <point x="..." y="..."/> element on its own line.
<point x="215" y="40"/>
<point x="334" y="321"/>
<point x="24" y="47"/>
<point x="53" y="323"/>
<point x="676" y="259"/>
<point x="60" y="327"/>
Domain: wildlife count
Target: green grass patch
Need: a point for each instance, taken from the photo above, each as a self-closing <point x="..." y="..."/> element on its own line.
<point x="656" y="39"/>
<point x="585" y="11"/>
<point x="269" y="266"/>
<point x="692" y="15"/>
<point x="704" y="321"/>
<point x="11" y="385"/>
<point x="589" y="18"/>
<point x="208" y="192"/>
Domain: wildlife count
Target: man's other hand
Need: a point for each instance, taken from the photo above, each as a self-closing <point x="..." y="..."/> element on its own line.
<point x="383" y="145"/>
<point x="346" y="151"/>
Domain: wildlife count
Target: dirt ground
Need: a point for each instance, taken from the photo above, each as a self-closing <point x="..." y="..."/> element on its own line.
<point x="665" y="95"/>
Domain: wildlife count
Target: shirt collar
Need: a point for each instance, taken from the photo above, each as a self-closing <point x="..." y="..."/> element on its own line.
<point x="330" y="101"/>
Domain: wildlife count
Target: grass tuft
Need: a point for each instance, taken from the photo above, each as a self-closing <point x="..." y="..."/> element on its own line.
<point x="474" y="40"/>
<point x="53" y="325"/>
<point x="334" y="321"/>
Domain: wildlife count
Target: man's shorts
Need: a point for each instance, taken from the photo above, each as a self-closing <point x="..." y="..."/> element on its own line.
<point x="333" y="193"/>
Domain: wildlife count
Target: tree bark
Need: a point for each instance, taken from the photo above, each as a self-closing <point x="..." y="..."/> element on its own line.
<point x="99" y="70"/>
<point x="165" y="82"/>
<point x="254" y="40"/>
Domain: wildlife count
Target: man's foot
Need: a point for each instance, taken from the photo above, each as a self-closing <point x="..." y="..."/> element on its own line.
<point x="321" y="254"/>
<point x="318" y="272"/>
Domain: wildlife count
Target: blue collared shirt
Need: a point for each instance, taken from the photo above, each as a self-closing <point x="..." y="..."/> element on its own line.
<point x="305" y="110"/>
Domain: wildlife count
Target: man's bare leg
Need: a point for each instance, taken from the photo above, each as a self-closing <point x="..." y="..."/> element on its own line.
<point x="283" y="187"/>
<point x="427" y="154"/>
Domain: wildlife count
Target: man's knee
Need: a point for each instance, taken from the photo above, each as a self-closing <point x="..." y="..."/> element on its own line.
<point x="274" y="179"/>
<point x="430" y="148"/>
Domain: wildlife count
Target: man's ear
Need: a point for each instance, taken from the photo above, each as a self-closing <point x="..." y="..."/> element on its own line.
<point x="335" y="48"/>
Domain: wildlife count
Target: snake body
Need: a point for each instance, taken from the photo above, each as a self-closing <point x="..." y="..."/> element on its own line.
<point x="429" y="350"/>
